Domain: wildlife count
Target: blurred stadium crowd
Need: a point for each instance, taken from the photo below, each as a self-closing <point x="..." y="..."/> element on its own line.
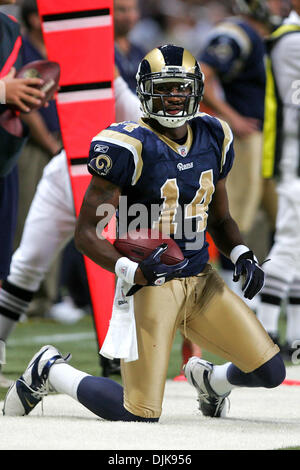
<point x="184" y="22"/>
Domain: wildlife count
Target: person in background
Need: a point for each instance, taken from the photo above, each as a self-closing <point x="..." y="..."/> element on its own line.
<point x="43" y="143"/>
<point x="281" y="158"/>
<point x="127" y="54"/>
<point x="18" y="94"/>
<point x="233" y="58"/>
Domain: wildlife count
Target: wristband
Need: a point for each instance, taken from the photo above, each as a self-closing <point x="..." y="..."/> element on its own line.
<point x="237" y="251"/>
<point x="125" y="269"/>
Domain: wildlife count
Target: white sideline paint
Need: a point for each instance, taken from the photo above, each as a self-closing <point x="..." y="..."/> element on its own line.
<point x="61" y="338"/>
<point x="259" y="419"/>
<point x="52" y="339"/>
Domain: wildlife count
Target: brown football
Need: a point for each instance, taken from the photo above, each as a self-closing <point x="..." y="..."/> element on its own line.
<point x="138" y="245"/>
<point x="46" y="70"/>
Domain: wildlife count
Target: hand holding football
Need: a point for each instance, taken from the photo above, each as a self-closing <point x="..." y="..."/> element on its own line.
<point x="45" y="70"/>
<point x="138" y="245"/>
<point x="32" y="86"/>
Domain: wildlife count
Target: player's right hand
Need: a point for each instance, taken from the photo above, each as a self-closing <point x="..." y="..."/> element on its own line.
<point x="157" y="273"/>
<point x="22" y="92"/>
<point x="151" y="272"/>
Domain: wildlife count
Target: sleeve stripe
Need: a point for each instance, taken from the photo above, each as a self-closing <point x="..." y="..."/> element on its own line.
<point x="130" y="143"/>
<point x="228" y="138"/>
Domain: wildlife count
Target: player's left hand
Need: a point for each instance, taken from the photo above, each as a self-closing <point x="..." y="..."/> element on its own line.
<point x="254" y="277"/>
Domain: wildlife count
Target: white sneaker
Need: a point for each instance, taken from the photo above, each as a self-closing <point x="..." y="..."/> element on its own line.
<point x="197" y="372"/>
<point x="66" y="312"/>
<point x="33" y="385"/>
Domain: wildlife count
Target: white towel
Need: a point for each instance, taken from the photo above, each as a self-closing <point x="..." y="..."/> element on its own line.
<point x="120" y="341"/>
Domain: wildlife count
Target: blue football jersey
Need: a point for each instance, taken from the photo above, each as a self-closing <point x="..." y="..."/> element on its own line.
<point x="166" y="185"/>
<point x="236" y="52"/>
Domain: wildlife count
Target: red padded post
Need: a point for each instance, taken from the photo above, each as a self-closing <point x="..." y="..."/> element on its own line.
<point x="79" y="36"/>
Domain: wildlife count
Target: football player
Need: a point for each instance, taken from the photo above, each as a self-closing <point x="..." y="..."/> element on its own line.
<point x="233" y="57"/>
<point x="178" y="160"/>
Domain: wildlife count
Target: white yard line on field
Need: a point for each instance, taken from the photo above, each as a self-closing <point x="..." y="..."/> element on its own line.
<point x="49" y="339"/>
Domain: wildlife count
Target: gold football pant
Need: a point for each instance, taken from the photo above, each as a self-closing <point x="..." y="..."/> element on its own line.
<point x="244" y="181"/>
<point x="209" y="314"/>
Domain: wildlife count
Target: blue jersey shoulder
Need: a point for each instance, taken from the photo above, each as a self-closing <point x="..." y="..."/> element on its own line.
<point x="115" y="153"/>
<point x="231" y="44"/>
<point x="221" y="138"/>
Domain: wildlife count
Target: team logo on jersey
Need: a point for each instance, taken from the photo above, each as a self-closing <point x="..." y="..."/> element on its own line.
<point x="185" y="166"/>
<point x="101" y="148"/>
<point x="223" y="51"/>
<point x="103" y="164"/>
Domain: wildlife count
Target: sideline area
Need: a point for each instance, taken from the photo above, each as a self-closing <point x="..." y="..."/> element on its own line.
<point x="259" y="419"/>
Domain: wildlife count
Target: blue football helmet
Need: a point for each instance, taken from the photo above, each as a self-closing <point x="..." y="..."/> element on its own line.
<point x="258" y="9"/>
<point x="163" y="69"/>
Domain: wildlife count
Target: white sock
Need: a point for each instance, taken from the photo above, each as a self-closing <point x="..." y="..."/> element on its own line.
<point x="268" y="315"/>
<point x="65" y="379"/>
<point x="293" y="323"/>
<point x="218" y="379"/>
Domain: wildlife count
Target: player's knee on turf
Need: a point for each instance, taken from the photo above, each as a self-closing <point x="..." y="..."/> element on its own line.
<point x="272" y="373"/>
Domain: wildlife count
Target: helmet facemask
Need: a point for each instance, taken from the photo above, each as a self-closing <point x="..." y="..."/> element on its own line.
<point x="154" y="89"/>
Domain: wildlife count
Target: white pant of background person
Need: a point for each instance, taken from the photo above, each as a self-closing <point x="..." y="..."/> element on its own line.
<point x="282" y="281"/>
<point x="49" y="226"/>
<point x="286" y="249"/>
<point x="285" y="252"/>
